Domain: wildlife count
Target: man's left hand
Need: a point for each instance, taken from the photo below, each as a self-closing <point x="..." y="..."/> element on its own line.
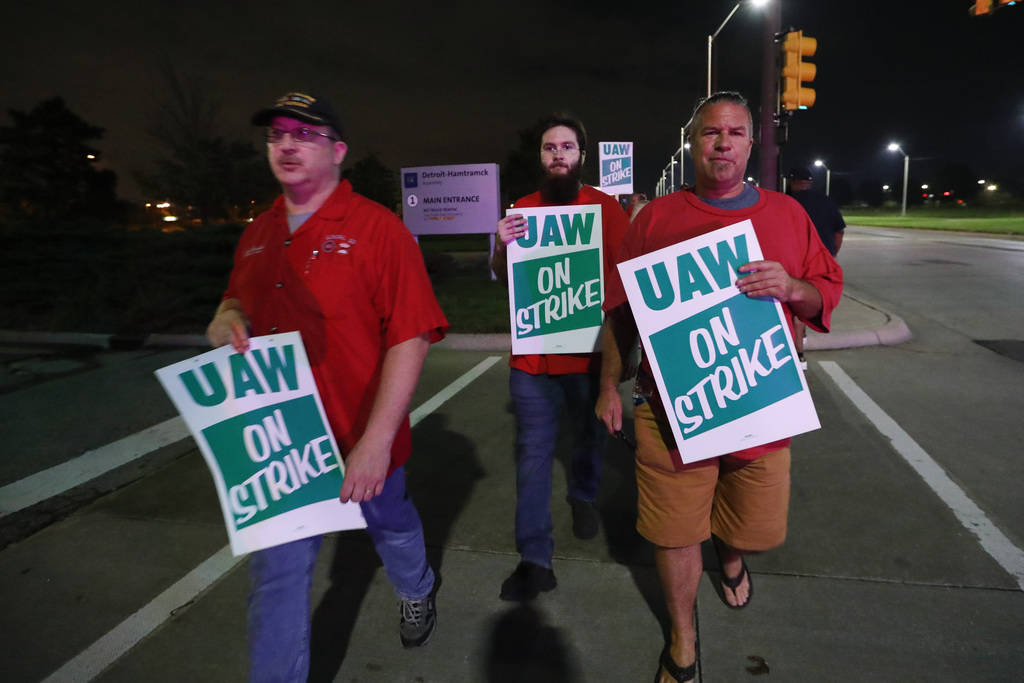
<point x="766" y="278"/>
<point x="366" y="469"/>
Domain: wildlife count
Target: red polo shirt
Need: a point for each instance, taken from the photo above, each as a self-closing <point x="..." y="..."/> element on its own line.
<point x="351" y="280"/>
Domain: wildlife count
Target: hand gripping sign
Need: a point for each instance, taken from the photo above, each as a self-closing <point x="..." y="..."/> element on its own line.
<point x="556" y="282"/>
<point x="724" y="363"/>
<point x="259" y="423"/>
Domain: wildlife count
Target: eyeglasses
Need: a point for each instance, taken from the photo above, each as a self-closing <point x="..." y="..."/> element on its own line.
<point x="566" y="147"/>
<point x="303" y="135"/>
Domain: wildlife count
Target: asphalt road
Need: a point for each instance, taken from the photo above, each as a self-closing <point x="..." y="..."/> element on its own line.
<point x="888" y="574"/>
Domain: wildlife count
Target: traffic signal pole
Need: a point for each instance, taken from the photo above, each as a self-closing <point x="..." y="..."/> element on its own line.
<point x="770" y="106"/>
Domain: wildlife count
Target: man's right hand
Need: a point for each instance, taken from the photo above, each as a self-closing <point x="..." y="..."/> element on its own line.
<point x="229" y="326"/>
<point x="511" y="227"/>
<point x="609" y="408"/>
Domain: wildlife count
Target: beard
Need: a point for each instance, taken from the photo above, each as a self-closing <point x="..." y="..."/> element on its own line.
<point x="559" y="188"/>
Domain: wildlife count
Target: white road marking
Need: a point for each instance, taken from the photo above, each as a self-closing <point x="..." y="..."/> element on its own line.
<point x="974" y="519"/>
<point x="91" y="464"/>
<point x="108" y="649"/>
<point x="455" y="387"/>
<point x="93" y="660"/>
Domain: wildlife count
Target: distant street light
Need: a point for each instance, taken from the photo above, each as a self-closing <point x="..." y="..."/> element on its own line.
<point x="885" y="188"/>
<point x="981" y="182"/>
<point x="828" y="174"/>
<point x="711" y="38"/>
<point x="925" y="186"/>
<point x="893" y="147"/>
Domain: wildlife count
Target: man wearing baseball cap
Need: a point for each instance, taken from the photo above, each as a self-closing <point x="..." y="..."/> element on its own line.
<point x="347" y="274"/>
<point x="827" y="221"/>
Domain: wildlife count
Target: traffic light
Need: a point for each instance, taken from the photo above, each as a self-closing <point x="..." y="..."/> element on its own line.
<point x="981" y="7"/>
<point x="796" y="72"/>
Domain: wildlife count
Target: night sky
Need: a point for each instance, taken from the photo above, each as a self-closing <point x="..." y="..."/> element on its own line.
<point x="453" y="82"/>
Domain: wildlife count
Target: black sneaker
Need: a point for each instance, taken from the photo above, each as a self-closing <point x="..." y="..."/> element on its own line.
<point x="584" y="518"/>
<point x="527" y="581"/>
<point x="419" y="618"/>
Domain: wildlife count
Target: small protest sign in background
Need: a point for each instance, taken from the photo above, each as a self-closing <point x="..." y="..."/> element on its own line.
<point x="616" y="167"/>
<point x="556" y="281"/>
<point x="259" y="423"/>
<point x="724" y="363"/>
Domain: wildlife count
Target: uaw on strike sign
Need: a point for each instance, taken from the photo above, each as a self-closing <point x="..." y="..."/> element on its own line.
<point x="260" y="425"/>
<point x="724" y="363"/>
<point x="555" y="280"/>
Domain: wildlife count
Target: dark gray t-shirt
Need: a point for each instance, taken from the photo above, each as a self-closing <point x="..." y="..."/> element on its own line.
<point x="744" y="200"/>
<point x="295" y="220"/>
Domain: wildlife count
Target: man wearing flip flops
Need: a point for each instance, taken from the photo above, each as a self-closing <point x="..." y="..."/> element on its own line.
<point x="741" y="499"/>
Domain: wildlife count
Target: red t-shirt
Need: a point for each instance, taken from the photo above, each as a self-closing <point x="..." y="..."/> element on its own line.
<point x="783" y="229"/>
<point x="613" y="227"/>
<point x="351" y="280"/>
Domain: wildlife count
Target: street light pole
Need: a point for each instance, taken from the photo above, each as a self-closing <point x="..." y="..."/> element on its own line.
<point x="828" y="175"/>
<point x="711" y="38"/>
<point x="906" y="181"/>
<point x="682" y="155"/>
<point x="893" y="147"/>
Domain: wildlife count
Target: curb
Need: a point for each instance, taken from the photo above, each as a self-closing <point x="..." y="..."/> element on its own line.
<point x="893" y="331"/>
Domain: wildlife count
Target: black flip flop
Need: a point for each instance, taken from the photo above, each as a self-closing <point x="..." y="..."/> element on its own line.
<point x="734" y="583"/>
<point x="680" y="674"/>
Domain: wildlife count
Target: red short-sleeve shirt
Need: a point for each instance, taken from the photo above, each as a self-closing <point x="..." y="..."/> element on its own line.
<point x="783" y="230"/>
<point x="351" y="280"/>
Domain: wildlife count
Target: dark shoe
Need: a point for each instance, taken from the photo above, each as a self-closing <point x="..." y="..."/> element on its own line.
<point x="584" y="518"/>
<point x="527" y="581"/>
<point x="678" y="673"/>
<point x="734" y="582"/>
<point x="419" y="618"/>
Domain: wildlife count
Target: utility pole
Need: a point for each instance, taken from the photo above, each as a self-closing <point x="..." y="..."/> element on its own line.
<point x="771" y="121"/>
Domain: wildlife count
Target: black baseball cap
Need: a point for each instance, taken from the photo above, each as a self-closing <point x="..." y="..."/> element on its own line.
<point x="305" y="107"/>
<point x="799" y="174"/>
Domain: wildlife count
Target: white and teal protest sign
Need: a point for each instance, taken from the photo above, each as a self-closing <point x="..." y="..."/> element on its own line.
<point x="556" y="282"/>
<point x="724" y="363"/>
<point x="260" y="425"/>
<point x="616" y="167"/>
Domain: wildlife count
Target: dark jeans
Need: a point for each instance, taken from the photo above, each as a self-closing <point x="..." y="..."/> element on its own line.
<point x="281" y="578"/>
<point x="538" y="401"/>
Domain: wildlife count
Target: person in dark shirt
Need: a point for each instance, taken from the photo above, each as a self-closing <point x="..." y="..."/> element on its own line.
<point x="828" y="222"/>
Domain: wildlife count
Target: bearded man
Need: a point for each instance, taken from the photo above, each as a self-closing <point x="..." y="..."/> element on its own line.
<point x="542" y="384"/>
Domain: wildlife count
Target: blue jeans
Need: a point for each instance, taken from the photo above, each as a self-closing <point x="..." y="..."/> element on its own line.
<point x="281" y="578"/>
<point x="538" y="401"/>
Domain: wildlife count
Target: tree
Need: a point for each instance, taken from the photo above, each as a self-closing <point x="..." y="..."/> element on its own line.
<point x="47" y="165"/>
<point x="374" y="180"/>
<point x="203" y="170"/>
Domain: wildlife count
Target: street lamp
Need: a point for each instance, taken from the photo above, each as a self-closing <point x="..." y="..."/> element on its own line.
<point x="893" y="147"/>
<point x="828" y="174"/>
<point x="711" y="38"/>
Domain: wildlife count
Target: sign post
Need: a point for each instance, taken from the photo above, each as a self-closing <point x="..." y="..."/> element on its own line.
<point x="442" y="200"/>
